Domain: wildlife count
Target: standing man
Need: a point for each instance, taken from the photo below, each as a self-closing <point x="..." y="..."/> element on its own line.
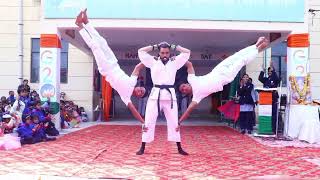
<point x="162" y="96"/>
<point x="224" y="73"/>
<point x="272" y="81"/>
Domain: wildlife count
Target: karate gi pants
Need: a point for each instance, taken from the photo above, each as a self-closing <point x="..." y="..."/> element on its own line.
<point x="151" y="119"/>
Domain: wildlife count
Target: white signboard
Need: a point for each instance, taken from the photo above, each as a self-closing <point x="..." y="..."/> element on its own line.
<point x="49" y="73"/>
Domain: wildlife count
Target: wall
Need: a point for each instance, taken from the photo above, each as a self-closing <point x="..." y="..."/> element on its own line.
<point x="79" y="87"/>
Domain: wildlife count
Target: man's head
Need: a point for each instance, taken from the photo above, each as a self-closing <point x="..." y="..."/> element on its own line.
<point x="245" y="78"/>
<point x="164" y="51"/>
<point x="35" y="118"/>
<point x="81" y="109"/>
<point x="34" y="93"/>
<point x="28" y="119"/>
<point x="11" y="93"/>
<point x="25" y="82"/>
<point x="270" y="71"/>
<point x="23" y="92"/>
<point x="185" y="88"/>
<point x="38" y="105"/>
<point x="62" y="95"/>
<point x="3" y="99"/>
<point x="139" y="91"/>
<point x="6" y="118"/>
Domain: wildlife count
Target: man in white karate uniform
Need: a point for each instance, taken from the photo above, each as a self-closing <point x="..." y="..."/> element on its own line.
<point x="222" y="74"/>
<point x="108" y="65"/>
<point x="162" y="96"/>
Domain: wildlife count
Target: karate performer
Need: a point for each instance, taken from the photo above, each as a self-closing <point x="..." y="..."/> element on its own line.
<point x="162" y="96"/>
<point x="108" y="65"/>
<point x="224" y="73"/>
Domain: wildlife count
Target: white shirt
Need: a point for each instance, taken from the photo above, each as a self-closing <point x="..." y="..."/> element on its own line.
<point x="163" y="74"/>
<point x="222" y="74"/>
<point x="108" y="64"/>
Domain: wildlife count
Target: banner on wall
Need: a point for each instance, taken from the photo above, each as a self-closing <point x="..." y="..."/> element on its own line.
<point x="221" y="10"/>
<point x="133" y="55"/>
<point x="48" y="73"/>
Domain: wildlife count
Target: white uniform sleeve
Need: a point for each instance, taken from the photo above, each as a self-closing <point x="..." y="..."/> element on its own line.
<point x="181" y="59"/>
<point x="146" y="58"/>
<point x="196" y="96"/>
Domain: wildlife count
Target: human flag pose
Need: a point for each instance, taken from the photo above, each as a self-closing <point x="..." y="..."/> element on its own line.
<point x="222" y="74"/>
<point x="162" y="96"/>
<point x="108" y="65"/>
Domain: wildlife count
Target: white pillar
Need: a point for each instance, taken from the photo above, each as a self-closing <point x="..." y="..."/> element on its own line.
<point x="298" y="66"/>
<point x="50" y="47"/>
<point x="297" y="72"/>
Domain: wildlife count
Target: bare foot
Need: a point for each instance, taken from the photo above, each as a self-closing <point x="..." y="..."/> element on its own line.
<point x="262" y="43"/>
<point x="79" y="21"/>
<point x="85" y="16"/>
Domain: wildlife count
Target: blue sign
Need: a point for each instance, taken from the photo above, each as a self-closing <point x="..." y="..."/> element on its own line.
<point x="219" y="10"/>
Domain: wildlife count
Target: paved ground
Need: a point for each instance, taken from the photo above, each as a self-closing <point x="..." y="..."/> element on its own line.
<point x="108" y="151"/>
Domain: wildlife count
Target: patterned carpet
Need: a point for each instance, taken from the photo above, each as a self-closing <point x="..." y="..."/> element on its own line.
<point x="109" y="152"/>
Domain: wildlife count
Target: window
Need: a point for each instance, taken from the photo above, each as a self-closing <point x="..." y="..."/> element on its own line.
<point x="64" y="62"/>
<point x="35" y="61"/>
<point x="279" y="59"/>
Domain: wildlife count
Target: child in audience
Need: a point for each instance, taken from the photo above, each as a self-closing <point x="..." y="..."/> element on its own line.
<point x="25" y="131"/>
<point x="11" y="99"/>
<point x="8" y="123"/>
<point x="83" y="114"/>
<point x="8" y="141"/>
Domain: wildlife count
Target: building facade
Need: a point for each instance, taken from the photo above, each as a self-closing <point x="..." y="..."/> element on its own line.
<point x="211" y="38"/>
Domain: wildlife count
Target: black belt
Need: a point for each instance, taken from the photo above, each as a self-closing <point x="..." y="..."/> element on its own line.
<point x="166" y="87"/>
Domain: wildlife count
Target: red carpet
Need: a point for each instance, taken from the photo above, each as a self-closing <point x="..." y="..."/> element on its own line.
<point x="109" y="152"/>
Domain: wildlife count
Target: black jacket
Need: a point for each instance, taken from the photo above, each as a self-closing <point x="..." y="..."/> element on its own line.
<point x="270" y="82"/>
<point x="244" y="93"/>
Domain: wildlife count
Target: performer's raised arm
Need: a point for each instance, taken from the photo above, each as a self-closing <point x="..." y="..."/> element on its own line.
<point x="137" y="69"/>
<point x="187" y="89"/>
<point x="145" y="57"/>
<point x="183" y="57"/>
<point x="190" y="68"/>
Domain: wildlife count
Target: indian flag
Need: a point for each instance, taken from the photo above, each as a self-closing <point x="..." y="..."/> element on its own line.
<point x="265" y="112"/>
